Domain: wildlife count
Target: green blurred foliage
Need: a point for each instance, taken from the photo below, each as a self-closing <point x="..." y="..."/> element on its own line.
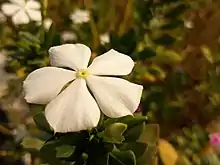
<point x="176" y="50"/>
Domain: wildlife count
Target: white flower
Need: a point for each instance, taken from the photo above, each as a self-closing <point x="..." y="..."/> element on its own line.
<point x="104" y="38"/>
<point x="47" y="23"/>
<point x="68" y="36"/>
<point x="22" y="11"/>
<point x="188" y="24"/>
<point x="80" y="16"/>
<point x="74" y="108"/>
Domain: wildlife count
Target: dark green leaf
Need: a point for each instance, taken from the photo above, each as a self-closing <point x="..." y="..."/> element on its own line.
<point x="146" y="53"/>
<point x="177" y="11"/>
<point x="41" y="122"/>
<point x="124" y="44"/>
<point x="64" y="151"/>
<point x="129" y="120"/>
<point x="114" y="133"/>
<point x="165" y="40"/>
<point x="150" y="134"/>
<point x="117" y="157"/>
<point x="32" y="143"/>
<point x="172" y="25"/>
<point x="132" y="121"/>
<point x="30" y="38"/>
<point x="48" y="153"/>
<point x="132" y="134"/>
<point x="137" y="147"/>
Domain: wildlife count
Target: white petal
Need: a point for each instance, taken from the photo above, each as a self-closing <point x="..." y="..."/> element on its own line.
<point x="43" y="85"/>
<point x="47" y="23"/>
<point x="75" y="56"/>
<point x="115" y="96"/>
<point x="34" y="15"/>
<point x="31" y="4"/>
<point x="20" y="18"/>
<point x="10" y="9"/>
<point x="73" y="110"/>
<point x="111" y="63"/>
<point x="18" y="2"/>
<point x="68" y="36"/>
<point x="104" y="38"/>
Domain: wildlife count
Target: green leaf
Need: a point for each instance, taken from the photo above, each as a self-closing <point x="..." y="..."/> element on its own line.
<point x="42" y="135"/>
<point x="177" y="11"/>
<point x="211" y="159"/>
<point x="52" y="37"/>
<point x="117" y="157"/>
<point x="172" y="25"/>
<point x="125" y="44"/>
<point x="137" y="147"/>
<point x="150" y="134"/>
<point x="132" y="121"/>
<point x="32" y="143"/>
<point x="132" y="134"/>
<point x="48" y="153"/>
<point x="146" y="53"/>
<point x="167" y="57"/>
<point x="113" y="133"/>
<point x="73" y="138"/>
<point x="183" y="160"/>
<point x="41" y="122"/>
<point x="64" y="151"/>
<point x="207" y="54"/>
<point x="165" y="40"/>
<point x="214" y="82"/>
<point x="28" y="37"/>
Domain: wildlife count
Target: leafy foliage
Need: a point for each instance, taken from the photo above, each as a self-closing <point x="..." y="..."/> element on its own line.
<point x="176" y="52"/>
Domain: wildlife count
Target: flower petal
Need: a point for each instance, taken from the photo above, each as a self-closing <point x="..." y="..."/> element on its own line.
<point x="43" y="85"/>
<point x="80" y="16"/>
<point x="73" y="110"/>
<point x="115" y="96"/>
<point x="18" y="2"/>
<point x="20" y="18"/>
<point x="31" y="4"/>
<point x="111" y="63"/>
<point x="10" y="9"/>
<point x="34" y="15"/>
<point x="75" y="56"/>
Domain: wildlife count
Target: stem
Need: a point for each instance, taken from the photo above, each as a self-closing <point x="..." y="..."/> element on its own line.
<point x="101" y="121"/>
<point x="93" y="27"/>
<point x="127" y="12"/>
<point x="13" y="27"/>
<point x="5" y="130"/>
<point x="44" y="4"/>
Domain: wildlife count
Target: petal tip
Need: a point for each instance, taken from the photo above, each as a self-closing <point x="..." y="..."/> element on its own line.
<point x="27" y="99"/>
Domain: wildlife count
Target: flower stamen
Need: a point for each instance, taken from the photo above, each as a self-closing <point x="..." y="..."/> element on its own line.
<point x="83" y="73"/>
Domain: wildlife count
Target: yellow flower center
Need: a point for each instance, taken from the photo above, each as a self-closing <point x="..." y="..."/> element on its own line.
<point x="83" y="73"/>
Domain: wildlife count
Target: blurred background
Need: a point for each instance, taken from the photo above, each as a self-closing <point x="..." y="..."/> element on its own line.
<point x="175" y="44"/>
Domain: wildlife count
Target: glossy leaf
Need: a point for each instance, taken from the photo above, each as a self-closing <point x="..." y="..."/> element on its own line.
<point x="114" y="133"/>
<point x="32" y="143"/>
<point x="41" y="122"/>
<point x="117" y="157"/>
<point x="64" y="151"/>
